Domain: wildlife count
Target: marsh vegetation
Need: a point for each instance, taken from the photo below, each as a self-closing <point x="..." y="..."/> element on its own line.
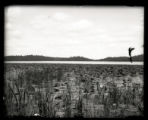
<point x="62" y="90"/>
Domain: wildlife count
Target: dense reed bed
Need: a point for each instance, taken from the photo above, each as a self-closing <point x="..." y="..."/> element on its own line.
<point x="62" y="90"/>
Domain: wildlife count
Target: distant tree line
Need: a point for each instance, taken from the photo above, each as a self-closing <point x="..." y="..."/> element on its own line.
<point x="135" y="58"/>
<point x="43" y="58"/>
<point x="75" y="58"/>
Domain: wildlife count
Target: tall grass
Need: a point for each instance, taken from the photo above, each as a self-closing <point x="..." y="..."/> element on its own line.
<point x="48" y="90"/>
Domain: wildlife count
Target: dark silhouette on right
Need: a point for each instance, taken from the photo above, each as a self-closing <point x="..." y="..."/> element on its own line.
<point x="130" y="50"/>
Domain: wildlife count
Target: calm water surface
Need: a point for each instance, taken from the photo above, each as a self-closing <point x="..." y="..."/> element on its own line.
<point x="78" y="62"/>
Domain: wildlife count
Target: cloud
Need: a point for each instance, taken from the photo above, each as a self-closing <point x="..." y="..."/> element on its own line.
<point x="59" y="16"/>
<point x="60" y="22"/>
<point x="80" y="25"/>
<point x="81" y="34"/>
<point x="67" y="33"/>
<point x="71" y="32"/>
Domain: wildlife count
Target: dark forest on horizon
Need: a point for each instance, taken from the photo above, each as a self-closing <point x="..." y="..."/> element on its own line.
<point x="74" y="58"/>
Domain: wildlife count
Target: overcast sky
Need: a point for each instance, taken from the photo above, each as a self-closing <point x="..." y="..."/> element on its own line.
<point x="93" y="32"/>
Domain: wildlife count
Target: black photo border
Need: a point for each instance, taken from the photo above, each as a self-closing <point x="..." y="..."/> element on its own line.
<point x="5" y="3"/>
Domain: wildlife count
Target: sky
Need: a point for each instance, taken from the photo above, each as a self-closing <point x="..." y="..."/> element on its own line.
<point x="65" y="31"/>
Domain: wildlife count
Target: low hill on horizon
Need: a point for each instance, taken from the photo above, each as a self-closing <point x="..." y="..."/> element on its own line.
<point x="75" y="58"/>
<point x="45" y="58"/>
<point x="135" y="58"/>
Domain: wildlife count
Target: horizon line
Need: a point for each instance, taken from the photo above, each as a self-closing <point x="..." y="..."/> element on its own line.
<point x="71" y="56"/>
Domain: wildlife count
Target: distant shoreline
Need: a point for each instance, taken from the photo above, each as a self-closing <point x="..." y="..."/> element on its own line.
<point x="137" y="58"/>
<point x="76" y="62"/>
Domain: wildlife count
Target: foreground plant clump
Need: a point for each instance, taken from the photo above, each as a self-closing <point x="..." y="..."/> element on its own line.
<point x="62" y="90"/>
